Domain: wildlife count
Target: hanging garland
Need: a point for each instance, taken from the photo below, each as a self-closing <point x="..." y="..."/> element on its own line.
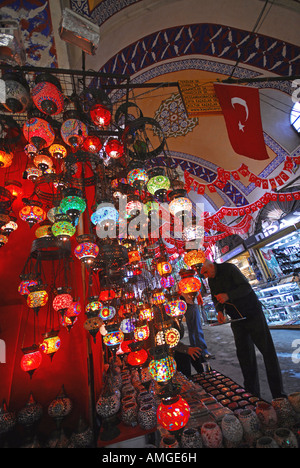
<point x="224" y="176"/>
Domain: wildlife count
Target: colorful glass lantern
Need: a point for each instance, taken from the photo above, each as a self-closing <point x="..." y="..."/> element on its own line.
<point x="162" y="369"/>
<point x="114" y="336"/>
<point x="137" y="358"/>
<point x="43" y="230"/>
<point x="48" y="98"/>
<point x="17" y="93"/>
<point x="188" y="283"/>
<point x="24" y="286"/>
<point x="92" y="144"/>
<point x="86" y="252"/>
<point x="105" y="212"/>
<point x="128" y="325"/>
<point x="30" y="150"/>
<point x="194" y="258"/>
<point x="6" y="159"/>
<point x="32" y="212"/>
<point x="37" y="299"/>
<point x="171" y="337"/>
<point x="173" y="413"/>
<point x="167" y="282"/>
<point x="73" y="310"/>
<point x="94" y="307"/>
<point x="31" y="359"/>
<point x="175" y="308"/>
<point x="73" y="204"/>
<point x="14" y="187"/>
<point x="63" y="229"/>
<point x="141" y="332"/>
<point x="3" y="240"/>
<point x="100" y="115"/>
<point x="107" y="313"/>
<point x="33" y="173"/>
<point x="58" y="151"/>
<point x="158" y="185"/>
<point x="39" y="133"/>
<point x="62" y="302"/>
<point x="53" y="212"/>
<point x="9" y="227"/>
<point x="114" y="148"/>
<point x="158" y="297"/>
<point x="164" y="268"/>
<point x="146" y="313"/>
<point x="73" y="132"/>
<point x="133" y="207"/>
<point x="43" y="162"/>
<point x="137" y="177"/>
<point x="51" y="343"/>
<point x="180" y="205"/>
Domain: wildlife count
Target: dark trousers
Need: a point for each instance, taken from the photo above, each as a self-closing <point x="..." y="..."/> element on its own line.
<point x="253" y="332"/>
<point x="184" y="364"/>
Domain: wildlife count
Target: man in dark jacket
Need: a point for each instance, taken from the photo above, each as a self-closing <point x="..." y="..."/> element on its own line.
<point x="232" y="293"/>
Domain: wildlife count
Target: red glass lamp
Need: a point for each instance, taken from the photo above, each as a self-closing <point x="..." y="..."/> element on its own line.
<point x="31" y="359"/>
<point x="92" y="144"/>
<point x="48" y="98"/>
<point x="86" y="251"/>
<point x="39" y="133"/>
<point x="24" y="286"/>
<point x="114" y="148"/>
<point x="100" y="115"/>
<point x="6" y="159"/>
<point x="62" y="302"/>
<point x="137" y="358"/>
<point x="173" y="413"/>
<point x="188" y="283"/>
<point x="107" y="295"/>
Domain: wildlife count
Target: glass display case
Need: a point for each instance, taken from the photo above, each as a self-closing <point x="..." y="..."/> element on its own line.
<point x="281" y="301"/>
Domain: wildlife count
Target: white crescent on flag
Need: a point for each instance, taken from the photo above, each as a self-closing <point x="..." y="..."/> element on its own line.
<point x="242" y="102"/>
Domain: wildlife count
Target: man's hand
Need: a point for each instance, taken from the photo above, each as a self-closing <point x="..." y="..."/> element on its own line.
<point x="194" y="352"/>
<point x="221" y="298"/>
<point x="221" y="317"/>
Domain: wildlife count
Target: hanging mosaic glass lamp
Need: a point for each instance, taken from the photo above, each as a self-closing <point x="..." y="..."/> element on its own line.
<point x="43" y="162"/>
<point x="31" y="359"/>
<point x="17" y="93"/>
<point x="180" y="204"/>
<point x="158" y="183"/>
<point x="25" y="284"/>
<point x="100" y="115"/>
<point x="169" y="336"/>
<point x="51" y="343"/>
<point x="108" y="313"/>
<point x="194" y="258"/>
<point x="38" y="132"/>
<point x="163" y="366"/>
<point x="43" y="230"/>
<point x="63" y="228"/>
<point x="92" y="144"/>
<point x="167" y="281"/>
<point x="114" y="148"/>
<point x="37" y="297"/>
<point x="3" y="240"/>
<point x="164" y="267"/>
<point x="105" y="212"/>
<point x="141" y="332"/>
<point x="175" y="308"/>
<point x="146" y="312"/>
<point x="32" y="173"/>
<point x="6" y="159"/>
<point x="173" y="413"/>
<point x="188" y="283"/>
<point x="58" y="151"/>
<point x="62" y="301"/>
<point x="86" y="251"/>
<point x="73" y="203"/>
<point x="114" y="336"/>
<point x="32" y="212"/>
<point x="93" y="307"/>
<point x="9" y="227"/>
<point x="47" y="95"/>
<point x="137" y="177"/>
<point x="158" y="297"/>
<point x="73" y="131"/>
<point x="137" y="356"/>
<point x="127" y="325"/>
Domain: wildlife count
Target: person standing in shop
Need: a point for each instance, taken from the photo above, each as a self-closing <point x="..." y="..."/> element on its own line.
<point x="232" y="293"/>
<point x="194" y="326"/>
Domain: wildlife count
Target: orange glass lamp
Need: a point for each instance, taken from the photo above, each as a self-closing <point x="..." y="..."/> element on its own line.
<point x="188" y="283"/>
<point x="146" y="313"/>
<point x="6" y="159"/>
<point x="173" y="413"/>
<point x="58" y="151"/>
<point x="32" y="212"/>
<point x="164" y="268"/>
<point x="37" y="298"/>
<point x="158" y="297"/>
<point x="51" y="343"/>
<point x="43" y="162"/>
<point x="141" y="332"/>
<point x="134" y="256"/>
<point x="194" y="258"/>
<point x="31" y="359"/>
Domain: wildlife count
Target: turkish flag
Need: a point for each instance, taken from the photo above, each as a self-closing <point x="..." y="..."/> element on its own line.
<point x="241" y="109"/>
